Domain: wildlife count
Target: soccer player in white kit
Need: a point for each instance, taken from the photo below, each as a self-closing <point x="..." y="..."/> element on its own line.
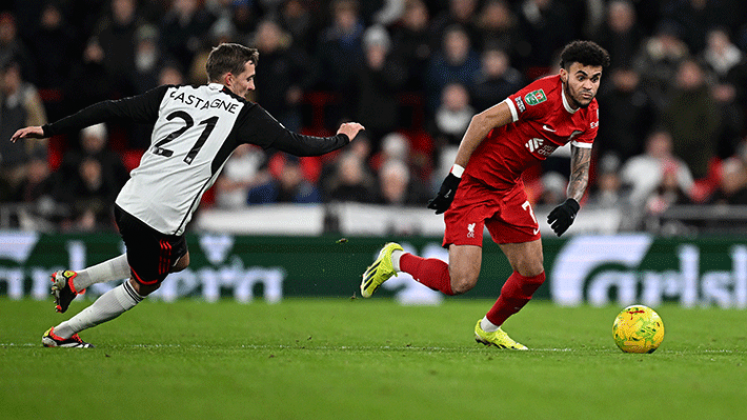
<point x="195" y="131"/>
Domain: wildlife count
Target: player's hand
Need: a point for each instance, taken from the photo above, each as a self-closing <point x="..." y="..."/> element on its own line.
<point x="32" y="132"/>
<point x="445" y="195"/>
<point x="561" y="217"/>
<point x="350" y="129"/>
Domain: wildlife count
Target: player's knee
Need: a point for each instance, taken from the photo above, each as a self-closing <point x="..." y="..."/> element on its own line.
<point x="181" y="264"/>
<point x="144" y="289"/>
<point x="463" y="282"/>
<point x="530" y="267"/>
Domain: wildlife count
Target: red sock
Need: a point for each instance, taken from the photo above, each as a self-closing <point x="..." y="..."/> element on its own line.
<point x="431" y="272"/>
<point x="517" y="291"/>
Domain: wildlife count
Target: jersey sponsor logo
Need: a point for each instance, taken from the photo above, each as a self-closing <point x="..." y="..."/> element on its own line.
<point x="536" y="97"/>
<point x="520" y="104"/>
<point x="540" y="147"/>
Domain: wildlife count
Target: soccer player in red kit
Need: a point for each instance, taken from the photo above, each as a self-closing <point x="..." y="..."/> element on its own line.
<point x="485" y="190"/>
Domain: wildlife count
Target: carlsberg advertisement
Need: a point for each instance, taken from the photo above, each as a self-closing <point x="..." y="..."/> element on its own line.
<point x="595" y="270"/>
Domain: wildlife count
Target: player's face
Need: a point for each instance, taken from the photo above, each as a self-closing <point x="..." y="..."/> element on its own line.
<point x="581" y="84"/>
<point x="243" y="82"/>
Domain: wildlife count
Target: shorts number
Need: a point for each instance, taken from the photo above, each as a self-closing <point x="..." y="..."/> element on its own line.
<point x="528" y="207"/>
<point x="189" y="122"/>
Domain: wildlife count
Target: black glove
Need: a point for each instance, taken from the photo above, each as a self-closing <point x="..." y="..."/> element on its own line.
<point x="561" y="217"/>
<point x="445" y="196"/>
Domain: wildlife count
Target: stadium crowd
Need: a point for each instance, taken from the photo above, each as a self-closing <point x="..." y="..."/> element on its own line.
<point x="673" y="103"/>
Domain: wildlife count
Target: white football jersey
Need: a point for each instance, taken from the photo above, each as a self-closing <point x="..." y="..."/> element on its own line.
<point x="178" y="167"/>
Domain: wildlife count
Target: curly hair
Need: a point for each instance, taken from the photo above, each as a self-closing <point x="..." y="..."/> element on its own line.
<point x="229" y="58"/>
<point x="587" y="53"/>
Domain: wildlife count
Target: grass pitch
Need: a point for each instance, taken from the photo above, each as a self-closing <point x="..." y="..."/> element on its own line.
<point x="368" y="359"/>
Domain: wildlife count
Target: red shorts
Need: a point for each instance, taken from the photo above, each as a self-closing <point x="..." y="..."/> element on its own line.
<point x="506" y="213"/>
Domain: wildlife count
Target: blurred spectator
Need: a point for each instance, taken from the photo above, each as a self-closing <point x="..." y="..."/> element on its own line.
<point x="148" y="59"/>
<point x="724" y="62"/>
<point x="411" y="42"/>
<point x="339" y="49"/>
<point x="376" y="86"/>
<point x="692" y="119"/>
<point x="12" y="48"/>
<point x="667" y="193"/>
<point x="90" y="81"/>
<point x="91" y="198"/>
<point x="279" y="89"/>
<point x="449" y="125"/>
<point x="658" y="60"/>
<point x="720" y="54"/>
<point x="643" y="173"/>
<point x="620" y="33"/>
<point x="37" y="190"/>
<point x="453" y="115"/>
<point x="607" y="189"/>
<point x="350" y="182"/>
<point x="397" y="187"/>
<point x="394" y="146"/>
<point x="52" y="47"/>
<point x="38" y="184"/>
<point x="117" y="35"/>
<point x="626" y="115"/>
<point x="93" y="142"/>
<point x="20" y="106"/>
<point x="462" y="13"/>
<point x="389" y="13"/>
<point x="245" y="16"/>
<point x="545" y="27"/>
<point x="553" y="186"/>
<point x="245" y="169"/>
<point x="287" y="186"/>
<point x="457" y="62"/>
<point x="732" y="186"/>
<point x="698" y="17"/>
<point x="170" y="74"/>
<point x="495" y="81"/>
<point x="182" y="30"/>
<point x="498" y="27"/>
<point x="296" y="18"/>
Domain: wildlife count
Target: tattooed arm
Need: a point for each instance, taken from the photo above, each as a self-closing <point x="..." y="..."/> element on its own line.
<point x="579" y="179"/>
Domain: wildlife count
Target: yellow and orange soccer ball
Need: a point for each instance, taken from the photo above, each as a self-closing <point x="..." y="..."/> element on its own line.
<point x="638" y="329"/>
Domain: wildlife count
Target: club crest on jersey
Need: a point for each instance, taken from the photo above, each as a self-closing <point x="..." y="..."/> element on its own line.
<point x="536" y="97"/>
<point x="471" y="230"/>
<point x="540" y="147"/>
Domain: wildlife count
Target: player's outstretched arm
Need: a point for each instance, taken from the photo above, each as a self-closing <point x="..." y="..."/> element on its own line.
<point x="31" y="132"/>
<point x="562" y="216"/>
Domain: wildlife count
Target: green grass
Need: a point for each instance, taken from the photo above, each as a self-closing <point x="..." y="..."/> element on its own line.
<point x="368" y="359"/>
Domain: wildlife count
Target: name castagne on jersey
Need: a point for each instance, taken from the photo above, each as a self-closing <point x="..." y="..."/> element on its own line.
<point x="200" y="103"/>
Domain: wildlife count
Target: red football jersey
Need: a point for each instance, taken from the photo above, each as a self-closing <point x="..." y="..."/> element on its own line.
<point x="542" y="121"/>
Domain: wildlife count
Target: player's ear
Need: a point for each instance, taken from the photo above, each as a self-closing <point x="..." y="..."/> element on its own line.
<point x="563" y="75"/>
<point x="228" y="79"/>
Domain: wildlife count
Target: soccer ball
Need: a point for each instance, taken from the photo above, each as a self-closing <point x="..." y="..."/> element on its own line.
<point x="638" y="329"/>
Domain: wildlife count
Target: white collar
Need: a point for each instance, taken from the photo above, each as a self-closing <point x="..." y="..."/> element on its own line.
<point x="566" y="105"/>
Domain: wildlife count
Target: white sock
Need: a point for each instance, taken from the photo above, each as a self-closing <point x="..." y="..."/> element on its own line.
<point x="396" y="255"/>
<point x="107" y="307"/>
<point x="488" y="326"/>
<point x="116" y="268"/>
